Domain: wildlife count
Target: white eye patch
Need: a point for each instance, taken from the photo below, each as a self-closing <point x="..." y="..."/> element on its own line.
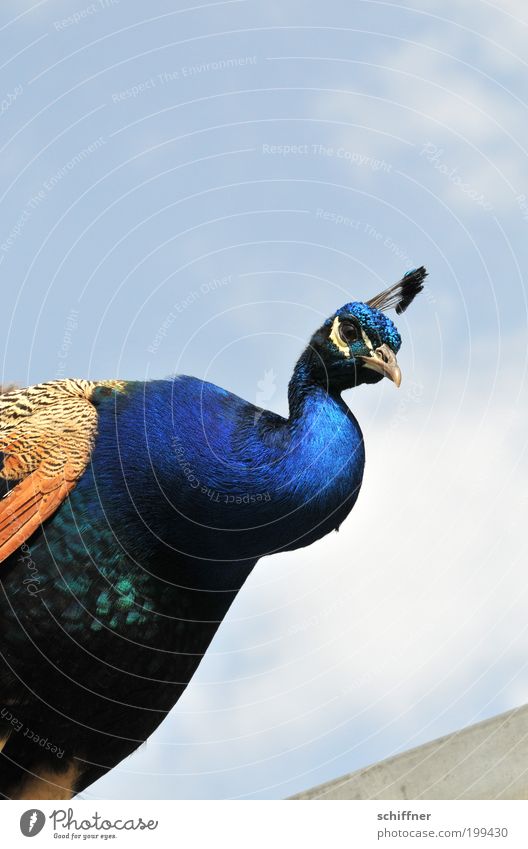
<point x="366" y="340"/>
<point x="335" y="337"/>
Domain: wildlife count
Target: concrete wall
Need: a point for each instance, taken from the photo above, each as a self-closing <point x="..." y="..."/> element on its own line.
<point x="485" y="761"/>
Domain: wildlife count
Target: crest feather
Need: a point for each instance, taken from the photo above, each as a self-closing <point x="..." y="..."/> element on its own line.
<point x="402" y="293"/>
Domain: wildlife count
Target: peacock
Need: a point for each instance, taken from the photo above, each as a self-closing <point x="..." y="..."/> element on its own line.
<point x="131" y="514"/>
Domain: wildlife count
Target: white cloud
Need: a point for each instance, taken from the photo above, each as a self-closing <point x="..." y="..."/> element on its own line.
<point x="443" y="84"/>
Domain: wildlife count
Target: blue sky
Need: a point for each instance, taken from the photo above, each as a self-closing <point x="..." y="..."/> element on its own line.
<point x="193" y="189"/>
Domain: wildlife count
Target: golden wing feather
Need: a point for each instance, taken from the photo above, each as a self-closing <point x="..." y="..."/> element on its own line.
<point x="47" y="434"/>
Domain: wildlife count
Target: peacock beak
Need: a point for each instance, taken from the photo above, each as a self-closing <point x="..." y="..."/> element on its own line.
<point x="383" y="360"/>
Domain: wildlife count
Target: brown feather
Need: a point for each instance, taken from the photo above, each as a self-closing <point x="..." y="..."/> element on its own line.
<point x="27" y="506"/>
<point x="47" y="433"/>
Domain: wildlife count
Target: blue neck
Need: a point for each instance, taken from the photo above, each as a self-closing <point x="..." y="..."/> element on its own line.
<point x="212" y="477"/>
<point x="308" y="380"/>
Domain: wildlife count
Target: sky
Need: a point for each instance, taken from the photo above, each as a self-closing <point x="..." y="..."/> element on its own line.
<point x="193" y="189"/>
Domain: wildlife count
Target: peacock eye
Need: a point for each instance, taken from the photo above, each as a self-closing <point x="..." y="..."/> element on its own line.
<point x="349" y="332"/>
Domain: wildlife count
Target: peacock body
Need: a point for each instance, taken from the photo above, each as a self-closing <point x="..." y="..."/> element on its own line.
<point x="133" y="514"/>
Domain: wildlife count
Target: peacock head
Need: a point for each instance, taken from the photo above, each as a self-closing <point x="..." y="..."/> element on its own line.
<point x="359" y="343"/>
